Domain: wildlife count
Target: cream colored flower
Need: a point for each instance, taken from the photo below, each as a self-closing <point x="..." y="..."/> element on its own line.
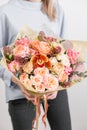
<point x="58" y="68"/>
<point x="53" y="60"/>
<point x="28" y="67"/>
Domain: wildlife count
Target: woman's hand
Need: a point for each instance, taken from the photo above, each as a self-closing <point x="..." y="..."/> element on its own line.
<point x="26" y="94"/>
<point x="52" y="95"/>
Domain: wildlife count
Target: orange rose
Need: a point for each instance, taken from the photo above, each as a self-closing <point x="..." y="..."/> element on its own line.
<point x="41" y="46"/>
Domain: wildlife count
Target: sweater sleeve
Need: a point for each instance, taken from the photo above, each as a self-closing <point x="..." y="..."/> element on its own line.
<point x="4" y="73"/>
<point x="62" y="26"/>
<point x="61" y="21"/>
<point x="60" y="16"/>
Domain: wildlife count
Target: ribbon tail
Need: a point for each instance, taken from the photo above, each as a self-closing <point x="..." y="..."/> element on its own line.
<point x="46" y="109"/>
<point x="38" y="112"/>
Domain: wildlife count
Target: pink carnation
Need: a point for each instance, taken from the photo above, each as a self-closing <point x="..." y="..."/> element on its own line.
<point x="73" y="56"/>
<point x="68" y="70"/>
<point x="23" y="41"/>
<point x="21" y="51"/>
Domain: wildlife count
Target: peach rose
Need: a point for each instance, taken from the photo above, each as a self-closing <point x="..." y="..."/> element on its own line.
<point x="24" y="79"/>
<point x="36" y="80"/>
<point x="40" y="88"/>
<point x="51" y="82"/>
<point x="41" y="70"/>
<point x="63" y="77"/>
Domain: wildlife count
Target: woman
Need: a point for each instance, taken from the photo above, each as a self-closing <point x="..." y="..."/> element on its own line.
<point x="40" y="15"/>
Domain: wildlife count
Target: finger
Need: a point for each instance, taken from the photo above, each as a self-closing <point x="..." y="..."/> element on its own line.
<point x="30" y="99"/>
<point x="27" y="94"/>
<point x="52" y="96"/>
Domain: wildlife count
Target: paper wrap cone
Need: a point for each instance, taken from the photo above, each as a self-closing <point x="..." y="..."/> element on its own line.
<point x="80" y="46"/>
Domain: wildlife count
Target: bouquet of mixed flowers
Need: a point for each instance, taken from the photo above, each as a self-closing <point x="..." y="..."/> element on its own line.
<point x="44" y="64"/>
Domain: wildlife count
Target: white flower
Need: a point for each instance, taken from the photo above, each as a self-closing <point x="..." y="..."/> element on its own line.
<point x="64" y="59"/>
<point x="53" y="60"/>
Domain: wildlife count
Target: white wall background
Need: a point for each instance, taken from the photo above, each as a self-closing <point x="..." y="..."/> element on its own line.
<point x="76" y="28"/>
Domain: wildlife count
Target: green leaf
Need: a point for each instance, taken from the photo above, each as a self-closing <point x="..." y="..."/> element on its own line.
<point x="11" y="57"/>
